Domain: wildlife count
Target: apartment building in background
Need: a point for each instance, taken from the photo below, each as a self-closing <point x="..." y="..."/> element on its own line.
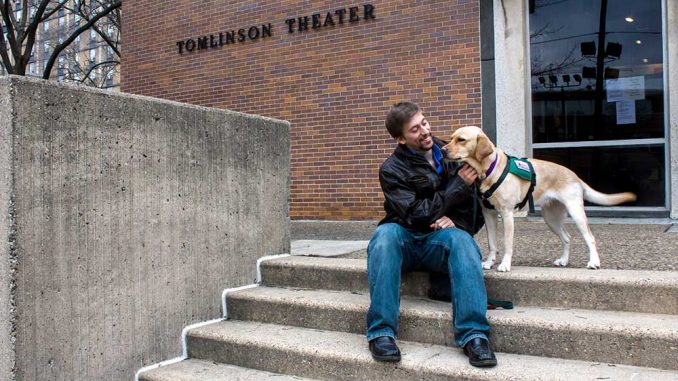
<point x="88" y="60"/>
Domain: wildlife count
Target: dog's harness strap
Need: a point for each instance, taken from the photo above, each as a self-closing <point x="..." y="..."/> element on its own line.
<point x="488" y="193"/>
<point x="528" y="197"/>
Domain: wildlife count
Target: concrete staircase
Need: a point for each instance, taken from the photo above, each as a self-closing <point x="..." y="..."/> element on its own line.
<point x="306" y="320"/>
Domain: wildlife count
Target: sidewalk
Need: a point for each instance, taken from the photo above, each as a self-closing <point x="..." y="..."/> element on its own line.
<point x="637" y="246"/>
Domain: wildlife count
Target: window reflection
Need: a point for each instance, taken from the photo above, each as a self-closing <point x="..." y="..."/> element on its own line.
<point x="616" y="169"/>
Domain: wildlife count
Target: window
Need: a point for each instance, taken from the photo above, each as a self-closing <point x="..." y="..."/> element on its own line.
<point x="45" y="25"/>
<point x="60" y="67"/>
<point x="598" y="93"/>
<point x="31" y="68"/>
<point x="109" y="79"/>
<point x="62" y="21"/>
<point x="93" y="55"/>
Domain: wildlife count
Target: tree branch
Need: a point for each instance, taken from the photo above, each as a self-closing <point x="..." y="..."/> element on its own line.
<point x="104" y="36"/>
<point x="53" y="11"/>
<point x="96" y="66"/>
<point x="107" y="39"/>
<point x="21" y="27"/>
<point x="8" y="16"/>
<point x="31" y="33"/>
<point x="35" y="21"/>
<point x="6" y="61"/>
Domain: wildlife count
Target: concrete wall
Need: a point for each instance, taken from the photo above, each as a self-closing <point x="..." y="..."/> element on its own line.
<point x="131" y="216"/>
<point x="672" y="68"/>
<point x="6" y="238"/>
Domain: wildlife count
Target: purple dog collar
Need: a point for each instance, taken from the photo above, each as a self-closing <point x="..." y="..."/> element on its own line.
<point x="494" y="163"/>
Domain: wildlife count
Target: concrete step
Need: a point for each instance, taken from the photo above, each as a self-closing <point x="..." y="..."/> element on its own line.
<point x="629" y="338"/>
<point x="331" y="355"/>
<point x="201" y="370"/>
<point x="620" y="290"/>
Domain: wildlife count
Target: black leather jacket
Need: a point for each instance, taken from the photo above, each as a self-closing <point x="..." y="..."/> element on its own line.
<point x="416" y="196"/>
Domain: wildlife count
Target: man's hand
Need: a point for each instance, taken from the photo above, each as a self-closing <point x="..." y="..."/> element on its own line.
<point x="442" y="222"/>
<point x="468" y="174"/>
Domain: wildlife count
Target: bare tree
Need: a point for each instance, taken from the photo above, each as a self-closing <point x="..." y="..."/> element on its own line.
<point x="22" y="19"/>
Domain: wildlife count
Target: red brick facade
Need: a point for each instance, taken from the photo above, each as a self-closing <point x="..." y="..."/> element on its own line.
<point x="333" y="83"/>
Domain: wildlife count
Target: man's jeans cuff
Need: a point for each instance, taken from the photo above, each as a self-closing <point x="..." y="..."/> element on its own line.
<point x="471" y="337"/>
<point x="380" y="333"/>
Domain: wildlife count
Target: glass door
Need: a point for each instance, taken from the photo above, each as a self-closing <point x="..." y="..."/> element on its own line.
<point x="597" y="82"/>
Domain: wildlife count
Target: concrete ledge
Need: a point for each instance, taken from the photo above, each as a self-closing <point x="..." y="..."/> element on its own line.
<point x="332" y="230"/>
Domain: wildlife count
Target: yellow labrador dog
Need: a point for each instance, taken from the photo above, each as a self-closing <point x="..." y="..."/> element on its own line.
<point x="558" y="191"/>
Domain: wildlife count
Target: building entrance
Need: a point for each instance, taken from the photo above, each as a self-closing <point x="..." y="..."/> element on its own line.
<point x="598" y="98"/>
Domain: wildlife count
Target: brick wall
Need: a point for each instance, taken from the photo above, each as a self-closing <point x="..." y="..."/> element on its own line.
<point x="333" y="83"/>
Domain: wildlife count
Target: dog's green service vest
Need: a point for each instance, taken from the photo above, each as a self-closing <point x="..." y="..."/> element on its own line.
<point x="520" y="168"/>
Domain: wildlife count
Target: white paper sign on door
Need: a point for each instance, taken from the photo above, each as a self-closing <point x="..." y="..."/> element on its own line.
<point x="626" y="112"/>
<point x="625" y="89"/>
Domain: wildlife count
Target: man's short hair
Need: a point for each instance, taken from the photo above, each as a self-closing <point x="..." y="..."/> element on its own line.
<point x="398" y="115"/>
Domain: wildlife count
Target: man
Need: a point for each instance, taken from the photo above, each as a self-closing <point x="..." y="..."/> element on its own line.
<point x="430" y="215"/>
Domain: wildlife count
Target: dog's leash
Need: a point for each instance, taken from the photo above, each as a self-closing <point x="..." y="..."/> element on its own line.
<point x="493" y="304"/>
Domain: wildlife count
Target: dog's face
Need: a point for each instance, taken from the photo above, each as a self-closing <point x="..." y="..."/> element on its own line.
<point x="469" y="144"/>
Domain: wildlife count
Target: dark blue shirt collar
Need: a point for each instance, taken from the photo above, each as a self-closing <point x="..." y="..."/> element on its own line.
<point x="437" y="157"/>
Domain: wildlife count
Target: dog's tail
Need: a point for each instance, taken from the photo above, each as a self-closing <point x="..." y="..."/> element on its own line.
<point x="592" y="195"/>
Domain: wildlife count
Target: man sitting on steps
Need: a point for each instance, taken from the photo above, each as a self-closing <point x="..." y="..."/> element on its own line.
<point x="430" y="211"/>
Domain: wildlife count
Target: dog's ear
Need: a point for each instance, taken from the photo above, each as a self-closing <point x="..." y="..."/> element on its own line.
<point x="483" y="147"/>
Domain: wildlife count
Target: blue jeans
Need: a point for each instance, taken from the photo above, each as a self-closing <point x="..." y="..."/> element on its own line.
<point x="394" y="250"/>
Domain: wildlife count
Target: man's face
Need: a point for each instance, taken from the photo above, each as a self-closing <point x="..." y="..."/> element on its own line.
<point x="417" y="134"/>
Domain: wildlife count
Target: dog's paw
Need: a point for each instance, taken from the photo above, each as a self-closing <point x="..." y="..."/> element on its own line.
<point x="593" y="265"/>
<point x="504" y="267"/>
<point x="488" y="264"/>
<point x="560" y="262"/>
